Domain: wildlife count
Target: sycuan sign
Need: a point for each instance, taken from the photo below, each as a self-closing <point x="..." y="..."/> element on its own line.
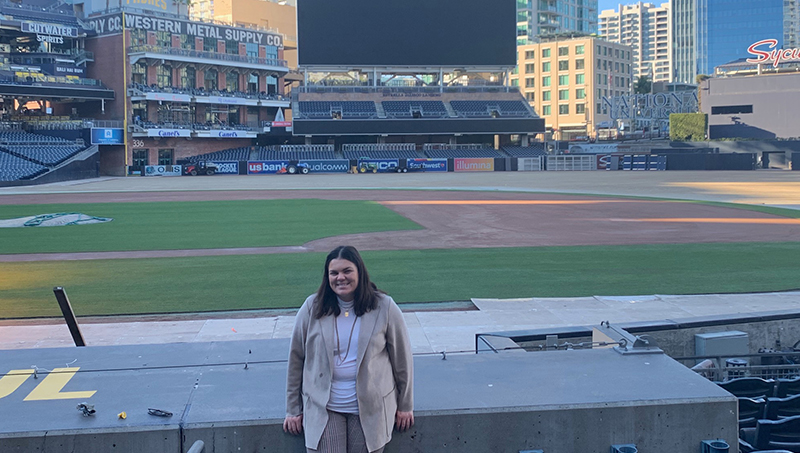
<point x="766" y="52"/>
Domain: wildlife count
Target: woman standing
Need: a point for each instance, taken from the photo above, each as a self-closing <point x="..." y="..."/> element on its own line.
<point x="350" y="374"/>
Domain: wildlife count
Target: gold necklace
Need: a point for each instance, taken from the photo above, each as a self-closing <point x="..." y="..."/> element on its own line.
<point x="338" y="352"/>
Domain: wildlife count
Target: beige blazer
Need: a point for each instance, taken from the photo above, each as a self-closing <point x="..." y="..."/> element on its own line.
<point x="384" y="381"/>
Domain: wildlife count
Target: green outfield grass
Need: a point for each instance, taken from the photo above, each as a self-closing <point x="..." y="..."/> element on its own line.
<point x="284" y="280"/>
<point x="197" y="225"/>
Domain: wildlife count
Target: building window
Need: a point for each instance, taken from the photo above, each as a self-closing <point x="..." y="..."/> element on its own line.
<point x="731" y="109"/>
<point x="563" y="95"/>
<point x="616" y="53"/>
<point x="163" y="39"/>
<point x="164" y="76"/>
<point x="514" y="82"/>
<point x="563" y="80"/>
<point x="232" y="81"/>
<point x="188" y="77"/>
<point x="599" y="63"/>
<point x="139" y="73"/>
<point x="251" y="50"/>
<point x="232" y="47"/>
<point x="211" y="79"/>
<point x="187" y="42"/>
<point x="530" y="68"/>
<point x="530" y="82"/>
<point x="563" y="65"/>
<point x="605" y="51"/>
<point x="579" y="79"/>
<point x="515" y="70"/>
<point x="138" y="37"/>
<point x="580" y="108"/>
<point x="252" y="83"/>
<point x="165" y="156"/>
<point x="579" y="64"/>
<point x="545" y="95"/>
<point x="209" y="44"/>
<point x="546" y="66"/>
<point x="529" y="54"/>
<point x="580" y="93"/>
<point x="579" y="50"/>
<point x="545" y="53"/>
<point x="530" y="96"/>
<point x="141" y="157"/>
<point x="546" y="81"/>
<point x="563" y="109"/>
<point x="563" y="51"/>
<point x="599" y="108"/>
<point x="605" y="65"/>
<point x="546" y="110"/>
<point x="616" y="66"/>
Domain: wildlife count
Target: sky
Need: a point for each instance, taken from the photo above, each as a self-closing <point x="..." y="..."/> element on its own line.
<point x="612" y="4"/>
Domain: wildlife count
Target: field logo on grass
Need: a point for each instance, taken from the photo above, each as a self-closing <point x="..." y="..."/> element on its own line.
<point x="57" y="219"/>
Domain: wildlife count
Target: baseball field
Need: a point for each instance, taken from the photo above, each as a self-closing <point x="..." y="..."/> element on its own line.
<point x="178" y="248"/>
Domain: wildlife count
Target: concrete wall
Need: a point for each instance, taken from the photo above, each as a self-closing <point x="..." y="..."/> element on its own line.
<point x="774" y="99"/>
<point x="561" y="401"/>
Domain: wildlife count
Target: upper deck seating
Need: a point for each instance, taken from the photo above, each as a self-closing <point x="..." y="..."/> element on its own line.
<point x="462" y="152"/>
<point x="410" y="109"/>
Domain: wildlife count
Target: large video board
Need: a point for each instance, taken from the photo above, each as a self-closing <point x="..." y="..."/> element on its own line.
<point x="366" y="33"/>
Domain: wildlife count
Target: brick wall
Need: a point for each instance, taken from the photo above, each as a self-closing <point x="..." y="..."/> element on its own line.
<point x="183" y="148"/>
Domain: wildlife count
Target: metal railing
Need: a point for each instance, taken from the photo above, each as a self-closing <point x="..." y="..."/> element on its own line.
<point x="404" y="89"/>
<point x="772" y="365"/>
<point x="208" y="55"/>
<point x="33" y="78"/>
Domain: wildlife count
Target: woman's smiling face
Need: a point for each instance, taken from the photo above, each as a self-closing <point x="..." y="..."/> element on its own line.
<point x="343" y="278"/>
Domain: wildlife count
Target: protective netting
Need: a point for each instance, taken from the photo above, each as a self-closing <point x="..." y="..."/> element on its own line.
<point x="55" y="219"/>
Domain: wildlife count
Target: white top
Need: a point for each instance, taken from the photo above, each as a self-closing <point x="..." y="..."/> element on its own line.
<point x="343" y="385"/>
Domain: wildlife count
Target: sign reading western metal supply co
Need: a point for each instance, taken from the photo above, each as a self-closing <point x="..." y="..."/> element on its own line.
<point x="113" y="24"/>
<point x="474" y="164"/>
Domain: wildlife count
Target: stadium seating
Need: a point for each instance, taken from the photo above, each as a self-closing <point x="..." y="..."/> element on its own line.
<point x="407" y="109"/>
<point x="484" y="109"/>
<point x="381" y="154"/>
<point x="48" y="155"/>
<point x="750" y="411"/>
<point x="788" y="387"/>
<point x="461" y="152"/>
<point x="271" y="154"/>
<point x="234" y="154"/>
<point x="18" y="136"/>
<point x="749" y="387"/>
<point x="332" y="109"/>
<point x="13" y="168"/>
<point x="535" y="149"/>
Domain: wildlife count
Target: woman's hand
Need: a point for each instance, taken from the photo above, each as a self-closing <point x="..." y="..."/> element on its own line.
<point x="293" y="424"/>
<point x="403" y="420"/>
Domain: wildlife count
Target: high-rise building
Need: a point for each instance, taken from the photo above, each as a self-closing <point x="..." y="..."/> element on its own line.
<point x="566" y="78"/>
<point x="646" y="28"/>
<point x="709" y="33"/>
<point x="540" y="17"/>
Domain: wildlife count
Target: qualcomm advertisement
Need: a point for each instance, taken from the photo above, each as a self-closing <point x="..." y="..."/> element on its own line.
<point x="378" y="165"/>
<point x="426" y="164"/>
<point x="327" y="166"/>
<point x="226" y="167"/>
<point x="105" y="136"/>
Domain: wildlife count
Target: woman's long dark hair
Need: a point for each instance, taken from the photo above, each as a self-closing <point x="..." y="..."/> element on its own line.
<point x="366" y="294"/>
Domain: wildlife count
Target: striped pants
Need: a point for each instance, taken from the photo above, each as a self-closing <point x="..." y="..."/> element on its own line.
<point x="343" y="434"/>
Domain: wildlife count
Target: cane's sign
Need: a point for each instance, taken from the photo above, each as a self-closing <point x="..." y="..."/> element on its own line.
<point x="766" y="53"/>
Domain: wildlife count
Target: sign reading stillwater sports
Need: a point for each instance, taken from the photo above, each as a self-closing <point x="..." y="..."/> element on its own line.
<point x="474" y="164"/>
